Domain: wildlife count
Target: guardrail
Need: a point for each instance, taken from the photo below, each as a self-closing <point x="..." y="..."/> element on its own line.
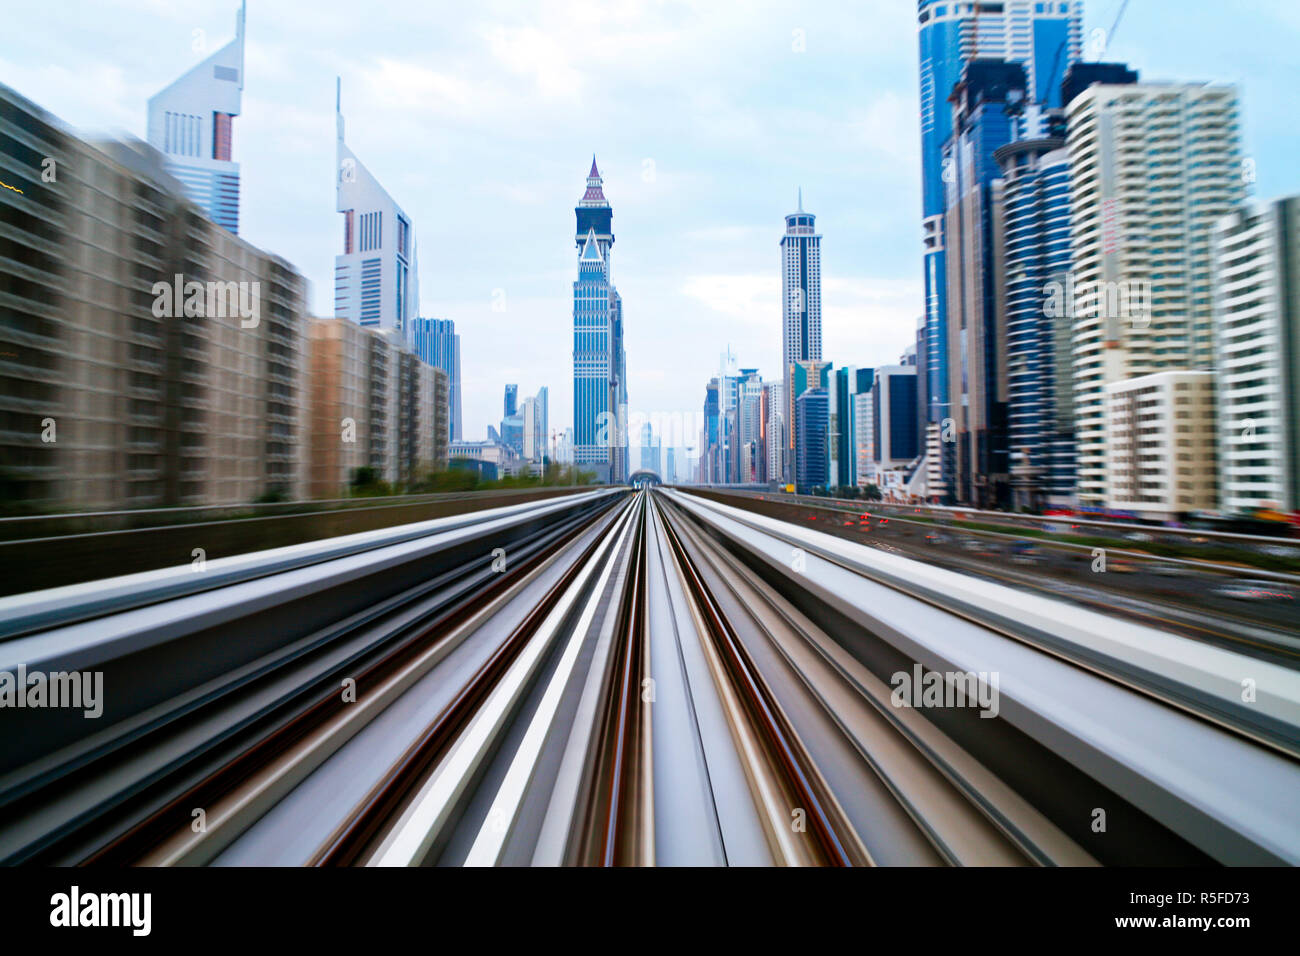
<point x="43" y="561"/>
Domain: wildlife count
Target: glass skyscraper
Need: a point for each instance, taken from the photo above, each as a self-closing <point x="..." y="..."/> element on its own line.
<point x="1034" y="218"/>
<point x="812" y="457"/>
<point x="1045" y="37"/>
<point x="599" y="388"/>
<point x="436" y="343"/>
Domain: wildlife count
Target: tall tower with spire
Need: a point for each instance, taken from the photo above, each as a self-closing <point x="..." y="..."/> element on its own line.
<point x="599" y="363"/>
<point x="190" y="122"/>
<point x="801" y="309"/>
<point x="376" y="280"/>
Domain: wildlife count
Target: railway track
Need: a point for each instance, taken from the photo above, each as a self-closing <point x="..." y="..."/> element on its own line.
<point x="619" y="678"/>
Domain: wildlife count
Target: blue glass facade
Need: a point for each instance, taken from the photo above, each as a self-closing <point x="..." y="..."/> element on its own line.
<point x="591" y="359"/>
<point x="1036" y="227"/>
<point x="812" y="414"/>
<point x="1046" y="38"/>
<point x="599" y="377"/>
<point x="436" y="343"/>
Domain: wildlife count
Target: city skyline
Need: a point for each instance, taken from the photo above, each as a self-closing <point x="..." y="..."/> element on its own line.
<point x="699" y="226"/>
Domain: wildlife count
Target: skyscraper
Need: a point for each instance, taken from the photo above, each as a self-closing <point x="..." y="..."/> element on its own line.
<point x="850" y="383"/>
<point x="747" y="448"/>
<point x="376" y="280"/>
<point x="190" y="123"/>
<point x="801" y="305"/>
<point x="986" y="102"/>
<point x="811" y="457"/>
<point x="533" y="416"/>
<point x="436" y="343"/>
<point x="650" y="449"/>
<point x="1257" y="321"/>
<point x="599" y="373"/>
<point x="774" y="430"/>
<point x="1153" y="167"/>
<point x="1045" y="37"/>
<point x="709" y="440"/>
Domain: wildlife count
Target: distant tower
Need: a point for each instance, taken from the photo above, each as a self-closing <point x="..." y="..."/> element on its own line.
<point x="599" y="363"/>
<point x="436" y="342"/>
<point x="801" y="327"/>
<point x="190" y="123"/>
<point x="376" y="280"/>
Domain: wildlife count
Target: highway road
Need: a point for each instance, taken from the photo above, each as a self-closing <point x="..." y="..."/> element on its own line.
<point x="650" y="677"/>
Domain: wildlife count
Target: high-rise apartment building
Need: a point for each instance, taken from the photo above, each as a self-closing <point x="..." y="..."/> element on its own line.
<point x="376" y="278"/>
<point x="190" y="123"/>
<point x="1045" y="38"/>
<point x="774" y="430"/>
<point x="375" y="405"/>
<point x="1257" y="326"/>
<point x="801" y="306"/>
<point x="1160" y="444"/>
<point x="148" y="357"/>
<point x="436" y="342"/>
<point x="1153" y="168"/>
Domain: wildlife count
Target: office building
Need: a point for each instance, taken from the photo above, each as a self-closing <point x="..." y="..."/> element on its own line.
<point x="1045" y="39"/>
<point x="191" y="124"/>
<point x="376" y="279"/>
<point x="1257" y="342"/>
<point x="710" y="448"/>
<point x="1031" y="220"/>
<point x="650" y="450"/>
<point x="436" y="342"/>
<point x="599" y="373"/>
<point x="774" y="431"/>
<point x="850" y="382"/>
<point x="895" y="443"/>
<point x="812" y="409"/>
<point x="535" y="414"/>
<point x="801" y="305"/>
<point x="986" y="102"/>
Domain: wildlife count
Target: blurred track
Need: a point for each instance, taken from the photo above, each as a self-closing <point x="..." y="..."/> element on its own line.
<point x="615" y="678"/>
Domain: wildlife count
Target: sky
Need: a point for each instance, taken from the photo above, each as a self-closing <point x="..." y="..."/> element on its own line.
<point x="481" y="119"/>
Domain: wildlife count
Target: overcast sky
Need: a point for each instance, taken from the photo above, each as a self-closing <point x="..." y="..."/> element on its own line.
<point x="481" y="119"/>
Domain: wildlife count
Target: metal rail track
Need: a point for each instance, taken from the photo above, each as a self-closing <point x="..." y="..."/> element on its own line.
<point x="655" y="679"/>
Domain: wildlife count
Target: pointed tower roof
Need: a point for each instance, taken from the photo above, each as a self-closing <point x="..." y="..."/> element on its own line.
<point x="594" y="196"/>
